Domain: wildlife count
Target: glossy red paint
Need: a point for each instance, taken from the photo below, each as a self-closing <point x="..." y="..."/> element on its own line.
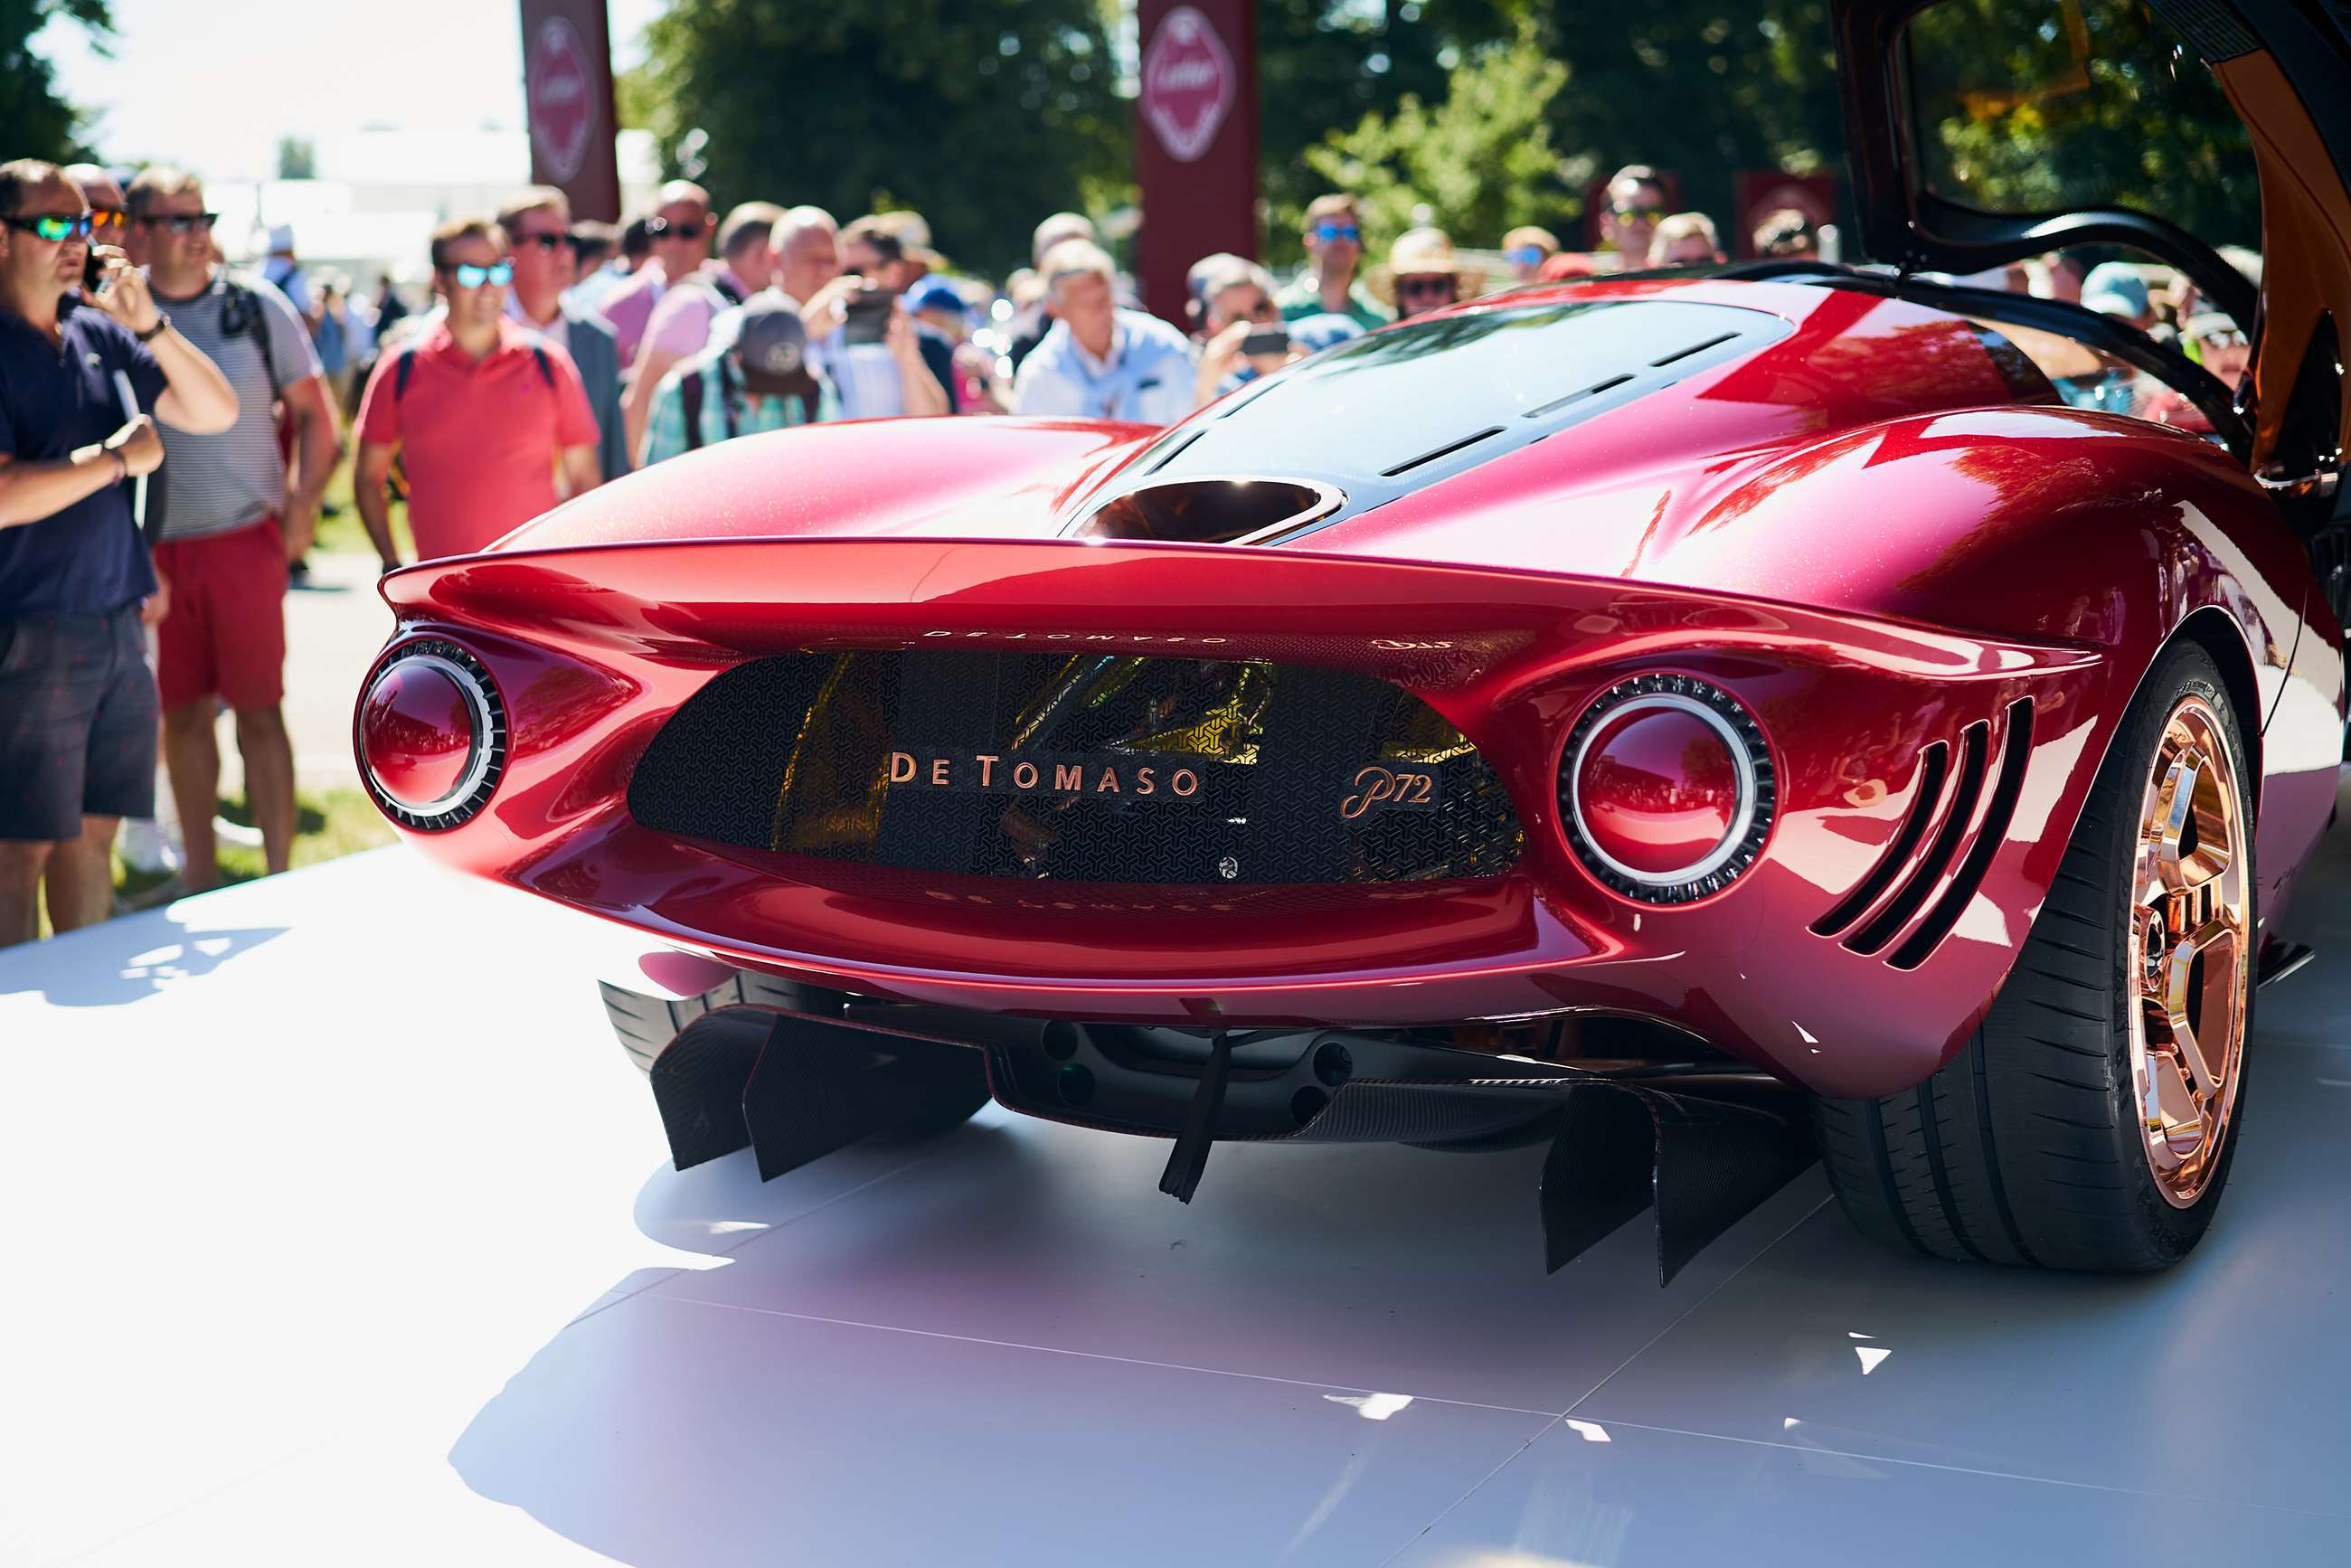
<point x="1657" y="790"/>
<point x="1854" y="532"/>
<point x="415" y="733"/>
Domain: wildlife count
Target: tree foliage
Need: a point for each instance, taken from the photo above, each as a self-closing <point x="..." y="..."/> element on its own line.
<point x="35" y="122"/>
<point x="984" y="115"/>
<point x="1480" y="157"/>
<point x="1702" y="87"/>
<point x="2032" y="107"/>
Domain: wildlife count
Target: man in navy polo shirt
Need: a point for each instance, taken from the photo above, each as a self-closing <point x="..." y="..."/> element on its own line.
<point x="77" y="702"/>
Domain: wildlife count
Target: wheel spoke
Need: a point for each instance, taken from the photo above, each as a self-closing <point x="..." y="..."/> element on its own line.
<point x="2187" y="951"/>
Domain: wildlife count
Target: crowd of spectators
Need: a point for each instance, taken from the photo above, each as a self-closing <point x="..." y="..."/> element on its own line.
<point x="559" y="354"/>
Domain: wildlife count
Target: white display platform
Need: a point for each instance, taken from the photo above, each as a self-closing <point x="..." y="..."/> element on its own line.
<point x="338" y="1230"/>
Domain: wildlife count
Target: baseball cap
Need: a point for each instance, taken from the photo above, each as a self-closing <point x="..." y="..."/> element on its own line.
<point x="771" y="349"/>
<point x="281" y="239"/>
<point x="935" y="294"/>
<point x="2115" y="289"/>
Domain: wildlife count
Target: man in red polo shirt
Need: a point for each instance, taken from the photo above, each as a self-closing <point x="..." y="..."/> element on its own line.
<point x="481" y="410"/>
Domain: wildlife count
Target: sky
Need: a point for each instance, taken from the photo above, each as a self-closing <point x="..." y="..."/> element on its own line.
<point x="213" y="86"/>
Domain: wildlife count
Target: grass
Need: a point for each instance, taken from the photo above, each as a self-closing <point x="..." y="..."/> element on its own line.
<point x="342" y="532"/>
<point x="328" y="823"/>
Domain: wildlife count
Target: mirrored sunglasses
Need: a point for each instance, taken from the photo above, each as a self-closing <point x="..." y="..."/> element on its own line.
<point x="182" y="222"/>
<point x="1526" y="254"/>
<point x="102" y="219"/>
<point x="468" y="276"/>
<point x="53" y="225"/>
<point x="1327" y="232"/>
<point x="1644" y="214"/>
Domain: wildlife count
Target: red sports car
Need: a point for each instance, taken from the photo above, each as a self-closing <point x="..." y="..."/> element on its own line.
<point x="1701" y="720"/>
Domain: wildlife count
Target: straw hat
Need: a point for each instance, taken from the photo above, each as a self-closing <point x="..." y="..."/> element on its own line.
<point x="1417" y="252"/>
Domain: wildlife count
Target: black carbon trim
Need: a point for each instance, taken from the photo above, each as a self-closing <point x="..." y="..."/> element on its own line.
<point x="2215" y="30"/>
<point x="1759" y="757"/>
<point x="1191" y="773"/>
<point x="493" y="738"/>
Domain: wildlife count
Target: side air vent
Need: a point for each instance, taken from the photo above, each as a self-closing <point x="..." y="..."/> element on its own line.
<point x="1946" y="803"/>
<point x="1940" y="920"/>
<point x="1888" y="922"/>
<point x="1934" y="767"/>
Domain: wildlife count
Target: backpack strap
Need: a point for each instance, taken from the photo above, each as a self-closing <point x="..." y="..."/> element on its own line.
<point x="689" y="392"/>
<point x="546" y="370"/>
<point x="402" y="367"/>
<point x="241" y="315"/>
<point x="727" y="395"/>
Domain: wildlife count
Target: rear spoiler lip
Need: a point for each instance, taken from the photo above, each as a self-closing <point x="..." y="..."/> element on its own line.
<point x="1428" y="625"/>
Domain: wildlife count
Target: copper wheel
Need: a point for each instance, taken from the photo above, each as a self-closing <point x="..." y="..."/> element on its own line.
<point x="2189" y="935"/>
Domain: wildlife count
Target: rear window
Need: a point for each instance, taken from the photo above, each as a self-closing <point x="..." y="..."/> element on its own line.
<point x="1395" y="409"/>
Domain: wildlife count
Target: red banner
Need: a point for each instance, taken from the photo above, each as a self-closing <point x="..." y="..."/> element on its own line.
<point x="1195" y="142"/>
<point x="566" y="68"/>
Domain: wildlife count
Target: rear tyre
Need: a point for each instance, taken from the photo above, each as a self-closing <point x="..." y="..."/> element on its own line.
<point x="2090" y="1121"/>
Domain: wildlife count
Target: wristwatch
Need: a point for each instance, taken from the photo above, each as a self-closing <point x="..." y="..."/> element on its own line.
<point x="162" y="323"/>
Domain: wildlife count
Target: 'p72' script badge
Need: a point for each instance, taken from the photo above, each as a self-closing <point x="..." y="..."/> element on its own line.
<point x="1377" y="789"/>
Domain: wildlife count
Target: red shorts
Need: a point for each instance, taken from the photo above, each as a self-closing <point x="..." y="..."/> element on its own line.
<point x="224" y="630"/>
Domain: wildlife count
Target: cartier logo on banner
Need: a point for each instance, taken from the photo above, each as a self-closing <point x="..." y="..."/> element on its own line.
<point x="1188" y="83"/>
<point x="562" y="97"/>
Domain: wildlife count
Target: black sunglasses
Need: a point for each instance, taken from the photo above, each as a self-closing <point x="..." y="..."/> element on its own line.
<point x="1417" y="287"/>
<point x="657" y="227"/>
<point x="181" y="222"/>
<point x="543" y="242"/>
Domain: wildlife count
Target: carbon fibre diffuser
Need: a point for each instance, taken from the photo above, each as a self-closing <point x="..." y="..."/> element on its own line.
<point x="794" y="1088"/>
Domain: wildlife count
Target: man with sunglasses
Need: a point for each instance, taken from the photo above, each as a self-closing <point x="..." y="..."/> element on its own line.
<point x="1637" y="205"/>
<point x="110" y="216"/>
<point x="77" y="703"/>
<point x="679" y="237"/>
<point x="232" y="517"/>
<point x="481" y="410"/>
<point x="679" y="327"/>
<point x="538" y="224"/>
<point x="1334" y="249"/>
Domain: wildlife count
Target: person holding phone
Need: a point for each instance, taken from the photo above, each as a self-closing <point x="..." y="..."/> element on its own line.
<point x="78" y="705"/>
<point x="1241" y="335"/>
<point x="881" y="362"/>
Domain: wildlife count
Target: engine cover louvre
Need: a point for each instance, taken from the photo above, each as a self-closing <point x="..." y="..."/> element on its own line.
<point x="1078" y="767"/>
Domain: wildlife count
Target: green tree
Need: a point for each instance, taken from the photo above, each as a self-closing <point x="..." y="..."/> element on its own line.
<point x="1324" y="65"/>
<point x="1480" y="157"/>
<point x="1702" y="87"/>
<point x="984" y="115"/>
<point x="297" y="159"/>
<point x="35" y="122"/>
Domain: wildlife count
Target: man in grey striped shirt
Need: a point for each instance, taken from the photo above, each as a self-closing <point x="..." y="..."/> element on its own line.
<point x="232" y="517"/>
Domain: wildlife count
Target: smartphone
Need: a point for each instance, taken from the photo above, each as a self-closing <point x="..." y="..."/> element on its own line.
<point x="868" y="317"/>
<point x="93" y="268"/>
<point x="1267" y="340"/>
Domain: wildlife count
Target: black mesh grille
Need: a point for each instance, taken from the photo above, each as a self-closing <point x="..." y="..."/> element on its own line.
<point x="1219" y="772"/>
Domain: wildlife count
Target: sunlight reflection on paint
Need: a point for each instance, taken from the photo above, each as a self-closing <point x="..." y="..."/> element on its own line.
<point x="1590" y="1432"/>
<point x="1371" y="1407"/>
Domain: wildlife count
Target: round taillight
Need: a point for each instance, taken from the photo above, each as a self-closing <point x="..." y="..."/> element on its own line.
<point x="1666" y="789"/>
<point x="431" y="734"/>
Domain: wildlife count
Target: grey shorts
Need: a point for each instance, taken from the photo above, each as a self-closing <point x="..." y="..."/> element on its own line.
<point x="77" y="723"/>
